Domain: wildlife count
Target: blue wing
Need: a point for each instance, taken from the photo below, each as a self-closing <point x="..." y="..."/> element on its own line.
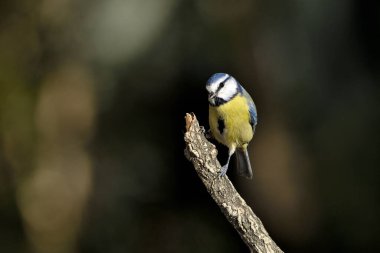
<point x="253" y="115"/>
<point x="252" y="109"/>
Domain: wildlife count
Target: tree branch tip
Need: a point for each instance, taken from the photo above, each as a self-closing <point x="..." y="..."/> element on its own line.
<point x="189" y="118"/>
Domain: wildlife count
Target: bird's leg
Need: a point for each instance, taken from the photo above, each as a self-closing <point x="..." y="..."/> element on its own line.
<point x="224" y="169"/>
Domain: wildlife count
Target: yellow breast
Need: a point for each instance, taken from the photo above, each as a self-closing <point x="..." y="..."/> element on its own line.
<point x="235" y="115"/>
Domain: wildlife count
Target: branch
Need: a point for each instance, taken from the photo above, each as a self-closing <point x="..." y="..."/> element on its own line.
<point x="203" y="156"/>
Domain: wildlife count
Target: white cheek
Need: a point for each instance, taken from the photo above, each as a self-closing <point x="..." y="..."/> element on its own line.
<point x="227" y="92"/>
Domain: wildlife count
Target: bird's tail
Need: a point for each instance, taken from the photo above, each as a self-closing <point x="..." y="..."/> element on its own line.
<point x="243" y="163"/>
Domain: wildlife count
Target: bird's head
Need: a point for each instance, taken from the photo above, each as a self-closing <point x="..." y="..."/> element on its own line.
<point x="221" y="88"/>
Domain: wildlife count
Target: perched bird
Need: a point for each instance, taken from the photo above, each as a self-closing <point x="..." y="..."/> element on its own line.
<point x="232" y="119"/>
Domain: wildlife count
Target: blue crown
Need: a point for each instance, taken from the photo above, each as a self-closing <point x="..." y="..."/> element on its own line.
<point x="216" y="77"/>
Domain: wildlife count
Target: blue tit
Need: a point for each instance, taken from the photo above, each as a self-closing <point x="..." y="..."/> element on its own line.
<point x="232" y="119"/>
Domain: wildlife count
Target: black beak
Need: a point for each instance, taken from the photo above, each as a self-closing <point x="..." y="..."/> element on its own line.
<point x="211" y="95"/>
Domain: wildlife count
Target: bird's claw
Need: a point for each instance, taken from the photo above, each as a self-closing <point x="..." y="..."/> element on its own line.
<point x="223" y="170"/>
<point x="208" y="134"/>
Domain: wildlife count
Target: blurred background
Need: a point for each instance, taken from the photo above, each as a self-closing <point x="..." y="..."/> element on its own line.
<point x="92" y="102"/>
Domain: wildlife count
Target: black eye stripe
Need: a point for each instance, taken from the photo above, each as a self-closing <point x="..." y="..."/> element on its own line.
<point x="221" y="85"/>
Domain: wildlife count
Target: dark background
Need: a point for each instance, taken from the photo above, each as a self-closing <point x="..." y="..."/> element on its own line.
<point x="93" y="96"/>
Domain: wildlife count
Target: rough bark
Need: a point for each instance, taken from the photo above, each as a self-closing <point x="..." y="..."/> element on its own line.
<point x="203" y="155"/>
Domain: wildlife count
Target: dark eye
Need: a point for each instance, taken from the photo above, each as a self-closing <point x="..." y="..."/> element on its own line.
<point x="221" y="85"/>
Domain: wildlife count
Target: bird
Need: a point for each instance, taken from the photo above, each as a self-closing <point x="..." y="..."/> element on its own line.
<point x="232" y="119"/>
